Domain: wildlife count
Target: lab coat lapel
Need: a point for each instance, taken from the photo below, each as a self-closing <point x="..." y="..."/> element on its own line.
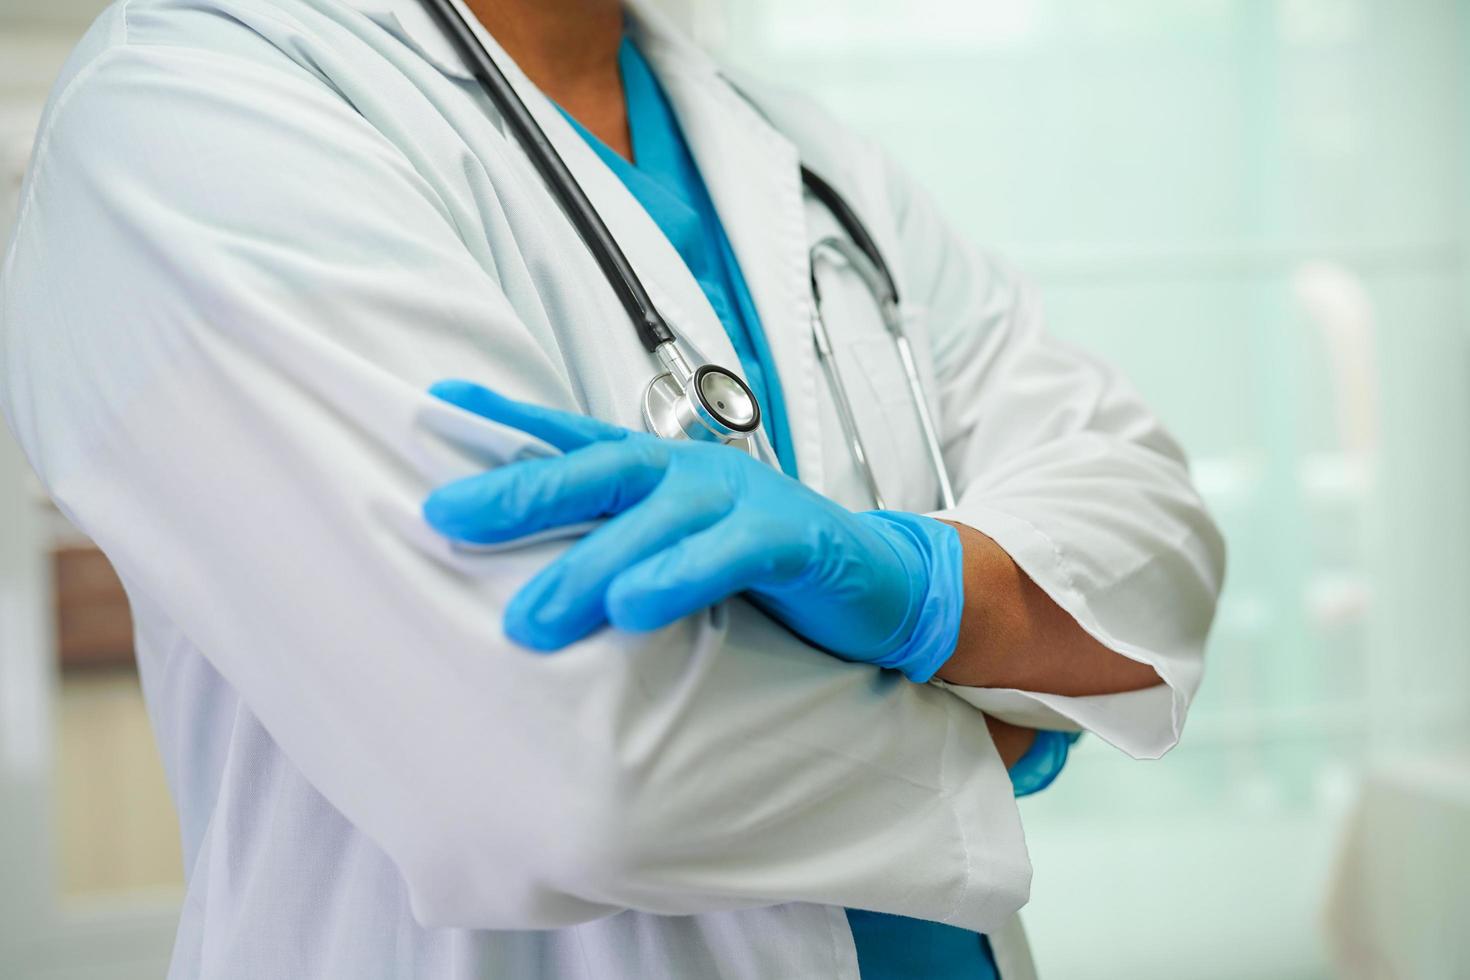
<point x="754" y="177"/>
<point x="672" y="287"/>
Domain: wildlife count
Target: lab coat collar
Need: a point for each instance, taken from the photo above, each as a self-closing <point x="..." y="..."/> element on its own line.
<point x="753" y="175"/>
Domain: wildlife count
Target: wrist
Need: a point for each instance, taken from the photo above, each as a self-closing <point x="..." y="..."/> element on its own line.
<point x="990" y="577"/>
<point x="1012" y="742"/>
<point x="933" y="560"/>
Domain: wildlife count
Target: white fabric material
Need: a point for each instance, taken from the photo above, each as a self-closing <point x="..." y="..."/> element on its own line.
<point x="255" y="231"/>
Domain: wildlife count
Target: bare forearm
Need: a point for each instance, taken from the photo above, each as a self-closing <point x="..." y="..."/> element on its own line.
<point x="1011" y="741"/>
<point x="1014" y="636"/>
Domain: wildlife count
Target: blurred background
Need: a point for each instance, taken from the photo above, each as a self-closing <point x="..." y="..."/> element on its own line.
<point x="1258" y="209"/>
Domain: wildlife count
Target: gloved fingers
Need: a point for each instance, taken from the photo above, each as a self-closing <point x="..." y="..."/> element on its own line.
<point x="699" y="571"/>
<point x="564" y="430"/>
<point x="568" y="599"/>
<point x="522" y="498"/>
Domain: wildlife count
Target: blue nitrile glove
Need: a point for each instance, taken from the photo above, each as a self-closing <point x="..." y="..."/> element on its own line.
<point x="692" y="524"/>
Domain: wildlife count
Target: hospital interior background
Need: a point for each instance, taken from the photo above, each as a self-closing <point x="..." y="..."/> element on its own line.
<point x="1258" y="208"/>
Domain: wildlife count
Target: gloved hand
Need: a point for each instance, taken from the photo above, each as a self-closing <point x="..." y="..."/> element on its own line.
<point x="692" y="524"/>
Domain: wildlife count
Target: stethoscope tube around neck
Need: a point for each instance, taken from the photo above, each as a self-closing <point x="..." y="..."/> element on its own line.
<point x="853" y="226"/>
<point x="708" y="402"/>
<point x="652" y="329"/>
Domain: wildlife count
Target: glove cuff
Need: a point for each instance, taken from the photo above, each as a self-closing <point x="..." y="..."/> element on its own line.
<point x="936" y="627"/>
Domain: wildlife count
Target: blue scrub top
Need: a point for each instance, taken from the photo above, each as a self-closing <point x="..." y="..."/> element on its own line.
<point x="664" y="179"/>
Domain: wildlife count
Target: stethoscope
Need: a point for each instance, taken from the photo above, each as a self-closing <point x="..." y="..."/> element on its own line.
<point x="707" y="403"/>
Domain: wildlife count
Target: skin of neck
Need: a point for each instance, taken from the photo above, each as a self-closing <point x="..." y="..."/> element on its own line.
<point x="569" y="49"/>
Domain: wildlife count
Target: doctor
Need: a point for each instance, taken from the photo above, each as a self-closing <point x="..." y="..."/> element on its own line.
<point x="455" y="671"/>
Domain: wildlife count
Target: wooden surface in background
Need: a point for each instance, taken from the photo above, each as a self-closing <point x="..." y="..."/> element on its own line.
<point x="94" y="626"/>
<point x="116" y="830"/>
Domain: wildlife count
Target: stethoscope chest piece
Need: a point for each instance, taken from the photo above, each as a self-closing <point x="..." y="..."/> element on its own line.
<point x="713" y="405"/>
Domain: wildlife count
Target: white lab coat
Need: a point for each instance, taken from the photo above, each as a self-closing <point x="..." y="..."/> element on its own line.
<point x="254" y="232"/>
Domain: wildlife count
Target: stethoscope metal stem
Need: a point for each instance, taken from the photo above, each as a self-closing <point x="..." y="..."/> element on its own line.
<point x="926" y="420"/>
<point x="880" y="285"/>
<point x="673" y="361"/>
<point x="855" y="444"/>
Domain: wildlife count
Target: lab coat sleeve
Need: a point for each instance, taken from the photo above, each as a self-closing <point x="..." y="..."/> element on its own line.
<point x="215" y="318"/>
<point x="1056" y="458"/>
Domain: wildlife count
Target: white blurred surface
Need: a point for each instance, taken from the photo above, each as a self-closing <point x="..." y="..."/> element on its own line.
<point x="1400" y="900"/>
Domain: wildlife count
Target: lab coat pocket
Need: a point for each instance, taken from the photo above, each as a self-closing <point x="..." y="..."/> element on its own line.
<point x="885" y="414"/>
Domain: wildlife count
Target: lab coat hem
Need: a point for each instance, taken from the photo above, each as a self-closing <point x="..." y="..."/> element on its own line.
<point x="992" y="907"/>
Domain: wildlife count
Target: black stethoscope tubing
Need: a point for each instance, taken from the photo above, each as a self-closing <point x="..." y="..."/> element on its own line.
<point x="837" y="205"/>
<point x="653" y="330"/>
